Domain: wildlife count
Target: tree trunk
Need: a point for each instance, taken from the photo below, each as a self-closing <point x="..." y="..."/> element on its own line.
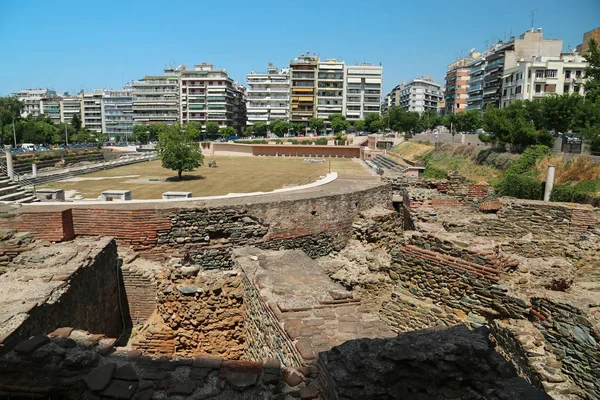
<point x="179" y="173"/>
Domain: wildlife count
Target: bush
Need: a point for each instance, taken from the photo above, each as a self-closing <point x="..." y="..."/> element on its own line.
<point x="484" y="138"/>
<point x="497" y="158"/>
<point x="408" y="135"/>
<point x="321" y="141"/>
<point x="527" y="161"/>
<point x="520" y="186"/>
<point x="434" y="173"/>
<point x="582" y="192"/>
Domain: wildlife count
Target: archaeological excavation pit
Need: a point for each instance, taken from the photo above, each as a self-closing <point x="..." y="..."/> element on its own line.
<point x="330" y="294"/>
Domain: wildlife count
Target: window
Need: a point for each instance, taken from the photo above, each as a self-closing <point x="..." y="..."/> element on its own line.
<point x="576" y="89"/>
<point x="518" y="89"/>
<point x="539" y="74"/>
<point x="550" y="73"/>
<point x="577" y="74"/>
<point x="566" y="88"/>
<point x="529" y="74"/>
<point x="538" y="88"/>
<point x="567" y="74"/>
<point x="504" y="93"/>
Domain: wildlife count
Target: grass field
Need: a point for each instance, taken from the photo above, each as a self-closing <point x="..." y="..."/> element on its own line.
<point x="233" y="175"/>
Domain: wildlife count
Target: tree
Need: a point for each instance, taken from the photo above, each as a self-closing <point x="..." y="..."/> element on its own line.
<point x="280" y="128"/>
<point x="559" y="111"/>
<point x="592" y="72"/>
<point x="141" y="133"/>
<point x="260" y="129"/>
<point x="76" y="122"/>
<point x="338" y="122"/>
<point x="316" y="124"/>
<point x="468" y="121"/>
<point x="226" y="132"/>
<point x="372" y="122"/>
<point x="212" y="128"/>
<point x="296" y="127"/>
<point x="359" y="125"/>
<point x="177" y="151"/>
<point x="192" y="130"/>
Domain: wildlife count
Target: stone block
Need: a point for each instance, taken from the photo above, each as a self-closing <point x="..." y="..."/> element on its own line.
<point x="99" y="379"/>
<point x="207" y="362"/>
<point x="183" y="389"/>
<point x="31" y="345"/>
<point x="126" y="373"/>
<point x="118" y="389"/>
<point x="241" y="380"/>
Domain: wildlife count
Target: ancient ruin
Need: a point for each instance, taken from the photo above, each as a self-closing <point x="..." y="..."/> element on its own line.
<point x="359" y="288"/>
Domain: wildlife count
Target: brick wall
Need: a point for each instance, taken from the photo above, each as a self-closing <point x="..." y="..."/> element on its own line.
<point x="140" y="293"/>
<point x="53" y="226"/>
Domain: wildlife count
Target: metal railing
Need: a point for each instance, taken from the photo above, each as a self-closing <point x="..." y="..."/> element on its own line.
<point x="17" y="178"/>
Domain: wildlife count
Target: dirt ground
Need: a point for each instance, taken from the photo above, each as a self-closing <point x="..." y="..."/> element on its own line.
<point x="149" y="180"/>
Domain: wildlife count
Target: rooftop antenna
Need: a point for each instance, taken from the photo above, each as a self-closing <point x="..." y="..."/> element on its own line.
<point x="532" y="18"/>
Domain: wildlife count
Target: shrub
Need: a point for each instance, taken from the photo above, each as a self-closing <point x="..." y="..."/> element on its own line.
<point x="527" y="161"/>
<point x="321" y="141"/>
<point x="90" y="157"/>
<point x="520" y="186"/>
<point x="434" y="173"/>
<point x="408" y="135"/>
<point x="484" y="138"/>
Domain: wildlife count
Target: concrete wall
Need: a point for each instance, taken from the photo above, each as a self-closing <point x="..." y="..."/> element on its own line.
<point x="471" y="140"/>
<point x="306" y="151"/>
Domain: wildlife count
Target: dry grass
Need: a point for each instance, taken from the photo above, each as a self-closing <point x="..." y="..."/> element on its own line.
<point x="412" y="150"/>
<point x="578" y="169"/>
<point x="233" y="175"/>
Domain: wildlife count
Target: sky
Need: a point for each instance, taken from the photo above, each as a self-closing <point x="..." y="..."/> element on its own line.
<point x="69" y="45"/>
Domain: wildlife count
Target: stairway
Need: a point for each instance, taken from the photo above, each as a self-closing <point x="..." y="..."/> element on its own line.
<point x="387" y="163"/>
<point x="12" y="192"/>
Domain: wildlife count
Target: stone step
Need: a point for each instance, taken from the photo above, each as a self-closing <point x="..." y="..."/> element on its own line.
<point x="8" y="189"/>
<point x="14" y="195"/>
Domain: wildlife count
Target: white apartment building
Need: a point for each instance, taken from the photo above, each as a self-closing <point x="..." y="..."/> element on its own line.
<point x="419" y="94"/>
<point x="91" y="110"/>
<point x="69" y="106"/>
<point x="208" y="94"/>
<point x="117" y="113"/>
<point x="476" y="75"/>
<point x="32" y="99"/>
<point x="156" y="98"/>
<point x="50" y="106"/>
<point x="362" y="91"/>
<point x="330" y="88"/>
<point x="268" y="96"/>
<point x="541" y="76"/>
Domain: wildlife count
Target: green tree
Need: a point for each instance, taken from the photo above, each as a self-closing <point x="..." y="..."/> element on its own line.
<point x="76" y="122"/>
<point x="249" y="130"/>
<point x="192" y="130"/>
<point x="296" y="128"/>
<point x="430" y="119"/>
<point x="592" y="72"/>
<point x="468" y="121"/>
<point x="560" y="111"/>
<point x="280" y="128"/>
<point x="260" y="129"/>
<point x="227" y="131"/>
<point x="338" y="122"/>
<point x="141" y="133"/>
<point x="177" y="152"/>
<point x="359" y="125"/>
<point x="212" y="128"/>
<point x="373" y="122"/>
<point x="316" y="124"/>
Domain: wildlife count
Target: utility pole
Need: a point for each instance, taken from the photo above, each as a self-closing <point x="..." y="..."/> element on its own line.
<point x="14" y="133"/>
<point x="66" y="136"/>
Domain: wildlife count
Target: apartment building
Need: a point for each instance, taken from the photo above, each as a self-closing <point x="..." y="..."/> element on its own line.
<point x="91" y="110"/>
<point x="50" y="106"/>
<point x="457" y="84"/>
<point x="32" y="99"/>
<point x="541" y="76"/>
<point x="303" y="85"/>
<point x="584" y="46"/>
<point x="268" y="96"/>
<point x="419" y="94"/>
<point x="117" y="113"/>
<point x="363" y="90"/>
<point x="69" y="106"/>
<point x="502" y="56"/>
<point x="208" y="94"/>
<point x="156" y="98"/>
<point x="330" y="88"/>
<point x="476" y="73"/>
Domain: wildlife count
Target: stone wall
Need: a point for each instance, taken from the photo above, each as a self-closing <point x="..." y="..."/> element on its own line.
<point x="523" y="344"/>
<point x="429" y="364"/>
<point x="87" y="299"/>
<point x="517" y="218"/>
<point x="454" y="277"/>
<point x="11" y="245"/>
<point x="76" y="365"/>
<point x="265" y="337"/>
<point x="573" y="337"/>
<point x="202" y="316"/>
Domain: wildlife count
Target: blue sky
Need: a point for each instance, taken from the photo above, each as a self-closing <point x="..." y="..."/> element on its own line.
<point x="71" y="45"/>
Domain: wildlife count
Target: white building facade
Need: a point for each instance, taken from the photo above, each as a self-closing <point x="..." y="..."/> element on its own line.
<point x="117" y="114"/>
<point x="32" y="99"/>
<point x="419" y="95"/>
<point x="268" y="96"/>
<point x="91" y="110"/>
<point x="542" y="76"/>
<point x="362" y="91"/>
<point x="331" y="76"/>
<point x="156" y="98"/>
